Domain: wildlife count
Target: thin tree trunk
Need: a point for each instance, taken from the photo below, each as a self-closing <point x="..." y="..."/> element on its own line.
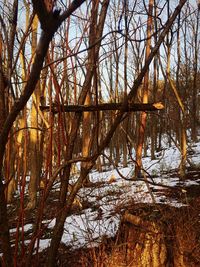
<point x="34" y="135"/>
<point x="124" y="142"/>
<point x="182" y="138"/>
<point x="86" y="136"/>
<point x="143" y="118"/>
<point x="4" y="230"/>
<point x="153" y="130"/>
<point x="195" y="70"/>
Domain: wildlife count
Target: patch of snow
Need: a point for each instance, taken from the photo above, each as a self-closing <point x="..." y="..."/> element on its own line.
<point x="109" y="198"/>
<point x="27" y="227"/>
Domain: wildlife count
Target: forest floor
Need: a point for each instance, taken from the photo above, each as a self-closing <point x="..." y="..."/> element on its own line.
<point x="96" y="216"/>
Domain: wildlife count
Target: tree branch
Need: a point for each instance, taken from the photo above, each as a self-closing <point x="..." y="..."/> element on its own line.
<point x="106" y="106"/>
<point x="40" y="9"/>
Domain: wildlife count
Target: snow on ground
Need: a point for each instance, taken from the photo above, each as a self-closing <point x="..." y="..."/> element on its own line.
<point x="108" y="199"/>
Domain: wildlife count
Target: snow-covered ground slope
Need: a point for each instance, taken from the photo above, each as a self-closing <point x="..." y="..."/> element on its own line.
<point x="104" y="203"/>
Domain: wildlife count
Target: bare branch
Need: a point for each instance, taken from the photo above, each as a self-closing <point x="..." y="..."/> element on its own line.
<point x="105" y="106"/>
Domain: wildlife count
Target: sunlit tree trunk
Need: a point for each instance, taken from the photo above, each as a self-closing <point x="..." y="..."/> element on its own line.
<point x="143" y="117"/>
<point x="10" y="151"/>
<point x="34" y="134"/>
<point x="86" y="135"/>
<point x="124" y="143"/>
<point x="153" y="123"/>
<point x="183" y="138"/>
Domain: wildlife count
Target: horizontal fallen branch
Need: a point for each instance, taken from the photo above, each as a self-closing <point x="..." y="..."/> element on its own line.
<point x="150" y="225"/>
<point x="101" y="107"/>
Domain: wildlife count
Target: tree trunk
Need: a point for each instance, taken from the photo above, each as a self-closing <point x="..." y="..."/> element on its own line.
<point x="143" y="119"/>
<point x="153" y="130"/>
<point x="195" y="78"/>
<point x="4" y="230"/>
<point x="34" y="135"/>
<point x="86" y="137"/>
